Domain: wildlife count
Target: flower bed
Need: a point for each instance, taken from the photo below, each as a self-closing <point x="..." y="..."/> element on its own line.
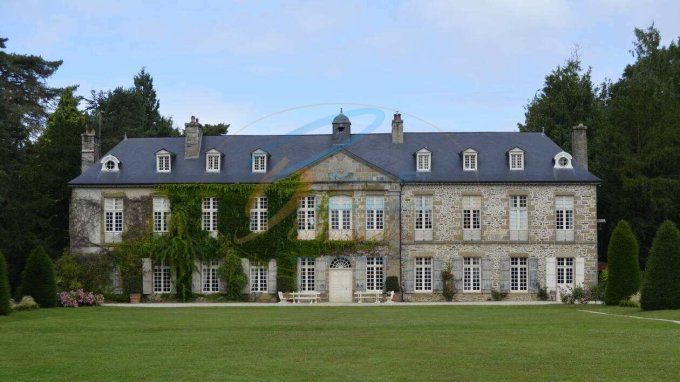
<point x="74" y="299"/>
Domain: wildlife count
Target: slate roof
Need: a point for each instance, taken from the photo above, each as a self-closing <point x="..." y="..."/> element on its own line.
<point x="289" y="153"/>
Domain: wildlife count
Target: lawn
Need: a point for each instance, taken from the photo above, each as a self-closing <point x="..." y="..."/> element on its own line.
<point x="339" y="343"/>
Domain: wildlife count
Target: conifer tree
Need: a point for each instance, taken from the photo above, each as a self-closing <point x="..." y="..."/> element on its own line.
<point x="661" y="288"/>
<point x="38" y="279"/>
<point x="5" y="308"/>
<point x="622" y="263"/>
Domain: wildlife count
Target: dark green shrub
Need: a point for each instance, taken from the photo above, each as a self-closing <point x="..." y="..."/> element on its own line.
<point x="67" y="272"/>
<point x="5" y="307"/>
<point x="392" y="284"/>
<point x="622" y="263"/>
<point x="661" y="289"/>
<point x="449" y="288"/>
<point x="89" y="272"/>
<point x="38" y="279"/>
<point x="232" y="272"/>
<point x="542" y="293"/>
<point x="497" y="295"/>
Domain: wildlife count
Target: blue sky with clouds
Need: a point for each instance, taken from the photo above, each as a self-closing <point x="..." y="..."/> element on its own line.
<point x="274" y="67"/>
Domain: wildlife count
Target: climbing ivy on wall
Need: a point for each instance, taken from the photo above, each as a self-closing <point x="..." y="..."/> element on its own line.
<point x="187" y="242"/>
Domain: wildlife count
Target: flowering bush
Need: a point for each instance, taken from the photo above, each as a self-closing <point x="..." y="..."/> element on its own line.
<point x="74" y="299"/>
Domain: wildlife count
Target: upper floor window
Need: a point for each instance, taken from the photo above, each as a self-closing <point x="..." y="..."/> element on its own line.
<point x="562" y="160"/>
<point x="424" y="160"/>
<point x="470" y="160"/>
<point x="423" y="212"/>
<point x="163" y="162"/>
<point x="110" y="163"/>
<point x="161" y="211"/>
<point x="259" y="161"/>
<point x="306" y="213"/>
<point x="472" y="211"/>
<point x="519" y="218"/>
<point x="209" y="217"/>
<point x="375" y="212"/>
<point x="113" y="214"/>
<point x="564" y="218"/>
<point x="212" y="161"/>
<point x="340" y="212"/>
<point x="258" y="215"/>
<point x="516" y="158"/>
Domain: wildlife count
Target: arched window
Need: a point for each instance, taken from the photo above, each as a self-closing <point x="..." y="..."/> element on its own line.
<point x="340" y="263"/>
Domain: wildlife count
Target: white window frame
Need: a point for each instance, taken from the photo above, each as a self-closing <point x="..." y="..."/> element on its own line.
<point x="161" y="214"/>
<point x="423" y="275"/>
<point x="519" y="274"/>
<point x="557" y="160"/>
<point x="375" y="273"/>
<point x="565" y="271"/>
<point x="163" y="162"/>
<point x="518" y="217"/>
<point x="469" y="160"/>
<point x="516" y="159"/>
<point x="423" y="221"/>
<point x="306" y="213"/>
<point x="210" y="276"/>
<point x="162" y="279"/>
<point x="259" y="214"/>
<point x="258" y="279"/>
<point x="564" y="218"/>
<point x="259" y="161"/>
<point x="340" y="213"/>
<point x="113" y="215"/>
<point x="213" y="161"/>
<point x="472" y="275"/>
<point x="375" y="213"/>
<point x="307" y="274"/>
<point x="210" y="206"/>
<point x="110" y="159"/>
<point x="424" y="160"/>
<point x="472" y="218"/>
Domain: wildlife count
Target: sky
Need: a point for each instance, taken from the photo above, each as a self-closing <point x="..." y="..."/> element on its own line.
<point x="275" y="67"/>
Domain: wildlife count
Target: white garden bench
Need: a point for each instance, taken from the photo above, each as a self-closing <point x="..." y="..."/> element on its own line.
<point x="305" y="296"/>
<point x="368" y="296"/>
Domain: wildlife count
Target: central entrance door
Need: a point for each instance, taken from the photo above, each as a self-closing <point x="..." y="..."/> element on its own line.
<point x="340" y="280"/>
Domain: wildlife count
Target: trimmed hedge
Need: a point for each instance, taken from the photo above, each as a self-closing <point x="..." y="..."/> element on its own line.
<point x="622" y="265"/>
<point x="661" y="289"/>
<point x="38" y="279"/>
<point x="5" y="308"/>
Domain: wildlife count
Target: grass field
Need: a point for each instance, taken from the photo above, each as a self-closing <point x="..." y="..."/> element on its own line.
<point x="339" y="343"/>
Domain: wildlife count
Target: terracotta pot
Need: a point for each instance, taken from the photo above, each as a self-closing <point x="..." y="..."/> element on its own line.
<point x="135" y="298"/>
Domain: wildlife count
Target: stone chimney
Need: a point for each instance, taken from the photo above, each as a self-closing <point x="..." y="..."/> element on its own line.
<point x="193" y="135"/>
<point x="89" y="152"/>
<point x="579" y="144"/>
<point x="397" y="128"/>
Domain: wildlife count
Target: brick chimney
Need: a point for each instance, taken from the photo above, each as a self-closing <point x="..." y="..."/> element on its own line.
<point x="193" y="135"/>
<point x="579" y="144"/>
<point x="89" y="152"/>
<point x="397" y="128"/>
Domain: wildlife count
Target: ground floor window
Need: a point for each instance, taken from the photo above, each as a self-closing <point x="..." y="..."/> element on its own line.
<point x="307" y="274"/>
<point x="423" y="274"/>
<point x="161" y="278"/>
<point x="472" y="275"/>
<point x="211" y="282"/>
<point x="565" y="270"/>
<point x="374" y="273"/>
<point x="518" y="274"/>
<point x="258" y="278"/>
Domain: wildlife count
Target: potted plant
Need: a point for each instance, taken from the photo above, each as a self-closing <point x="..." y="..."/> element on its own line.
<point x="133" y="287"/>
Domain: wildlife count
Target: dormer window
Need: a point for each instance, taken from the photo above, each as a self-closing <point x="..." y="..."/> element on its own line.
<point x="110" y="163"/>
<point x="516" y="159"/>
<point x="259" y="161"/>
<point x="212" y="161"/>
<point x="563" y="160"/>
<point x="424" y="160"/>
<point x="163" y="161"/>
<point x="469" y="160"/>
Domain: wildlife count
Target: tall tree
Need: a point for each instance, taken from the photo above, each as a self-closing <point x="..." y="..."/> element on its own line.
<point x="129" y="111"/>
<point x="24" y="102"/>
<point x="217" y="129"/>
<point x="661" y="288"/>
<point x="624" y="271"/>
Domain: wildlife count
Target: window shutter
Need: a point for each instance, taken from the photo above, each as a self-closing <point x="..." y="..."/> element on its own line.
<point x="533" y="274"/>
<point x="408" y="281"/>
<point x="196" y="279"/>
<point x="298" y="280"/>
<point x="245" y="264"/>
<point x="147" y="276"/>
<point x="505" y="275"/>
<point x="550" y="270"/>
<point x="360" y="274"/>
<point x="271" y="276"/>
<point x="457" y="270"/>
<point x="580" y="271"/>
<point x="437" y="268"/>
<point x="173" y="279"/>
<point x="486" y="275"/>
<point x="320" y="268"/>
